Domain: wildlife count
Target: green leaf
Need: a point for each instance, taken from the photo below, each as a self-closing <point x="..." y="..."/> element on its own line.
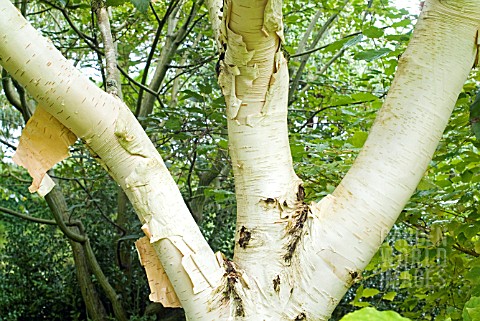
<point x="219" y="194"/>
<point x="371" y="314"/>
<point x="477" y="247"/>
<point x="114" y="3"/>
<point x="341" y="100"/>
<point x="223" y="143"/>
<point x="426" y="184"/>
<point x="358" y="139"/>
<point x="373" y="32"/>
<point x="345" y="42"/>
<point x="297" y="151"/>
<point x="471" y="310"/>
<point x="205" y="88"/>
<point x="173" y="124"/>
<point x="141" y="5"/>
<point x="369" y="292"/>
<point x="475" y="116"/>
<point x="361" y="304"/>
<point x="358" y="293"/>
<point x="405" y="275"/>
<point x="389" y="296"/>
<point x="403" y="23"/>
<point x="364" y="97"/>
<point x="399" y="38"/>
<point x="353" y="41"/>
<point x="192" y="96"/>
<point x="473" y="275"/>
<point x="371" y="54"/>
<point x="436" y="234"/>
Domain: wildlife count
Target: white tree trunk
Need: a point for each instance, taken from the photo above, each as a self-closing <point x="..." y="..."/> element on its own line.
<point x="119" y="143"/>
<point x="342" y="232"/>
<point x="347" y="228"/>
<point x="293" y="261"/>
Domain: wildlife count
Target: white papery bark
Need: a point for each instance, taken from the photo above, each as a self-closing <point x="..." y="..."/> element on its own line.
<point x="119" y="143"/>
<point x="344" y="230"/>
<point x="347" y="228"/>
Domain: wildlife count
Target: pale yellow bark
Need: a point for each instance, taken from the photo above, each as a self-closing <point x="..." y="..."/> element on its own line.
<point x="342" y="233"/>
<point x="254" y="80"/>
<point x="347" y="228"/>
<point x="119" y="143"/>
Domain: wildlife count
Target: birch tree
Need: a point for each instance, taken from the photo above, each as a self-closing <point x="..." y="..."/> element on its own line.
<point x="293" y="260"/>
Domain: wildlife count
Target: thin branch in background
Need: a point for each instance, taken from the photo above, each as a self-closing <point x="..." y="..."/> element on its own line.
<point x="4" y="142"/>
<point x="308" y="32"/>
<point x="192" y="167"/>
<point x="307" y="52"/>
<point x="90" y="42"/>
<point x="125" y="74"/>
<point x="465" y="250"/>
<point x="64" y="12"/>
<point x="95" y="203"/>
<point x="303" y="60"/>
<point x="161" y="25"/>
<point x="10" y="92"/>
<point x="193" y="65"/>
<point x="324" y="69"/>
<point x="113" y="85"/>
<point x="187" y="70"/>
<point x="173" y="41"/>
<point x="27" y="217"/>
<point x="58" y="207"/>
<point x="192" y="26"/>
<point x="315" y="113"/>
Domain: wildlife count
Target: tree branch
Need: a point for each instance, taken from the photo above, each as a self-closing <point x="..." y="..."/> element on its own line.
<point x="304" y="58"/>
<point x="465" y="250"/>
<point x="174" y="39"/>
<point x="172" y="5"/>
<point x="113" y="85"/>
<point x="27" y="217"/>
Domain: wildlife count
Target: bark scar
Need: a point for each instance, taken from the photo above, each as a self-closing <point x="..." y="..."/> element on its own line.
<point x="232" y="285"/>
<point x="245" y="236"/>
<point x="477" y="55"/>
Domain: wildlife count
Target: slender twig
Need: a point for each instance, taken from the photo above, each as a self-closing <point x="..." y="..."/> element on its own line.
<point x="160" y="27"/>
<point x="113" y="85"/>
<point x="304" y="59"/>
<point x="124" y="73"/>
<point x="307" y="52"/>
<point x="85" y="37"/>
<point x="465" y="250"/>
<point x="12" y="95"/>
<point x="56" y="202"/>
<point x="329" y="107"/>
<point x="324" y="68"/>
<point x="202" y="62"/>
<point x="192" y="167"/>
<point x="4" y="142"/>
<point x="95" y="203"/>
<point x="103" y="281"/>
<point x="27" y="217"/>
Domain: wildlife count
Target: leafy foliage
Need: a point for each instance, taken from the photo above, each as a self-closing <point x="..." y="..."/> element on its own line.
<point x="370" y="314"/>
